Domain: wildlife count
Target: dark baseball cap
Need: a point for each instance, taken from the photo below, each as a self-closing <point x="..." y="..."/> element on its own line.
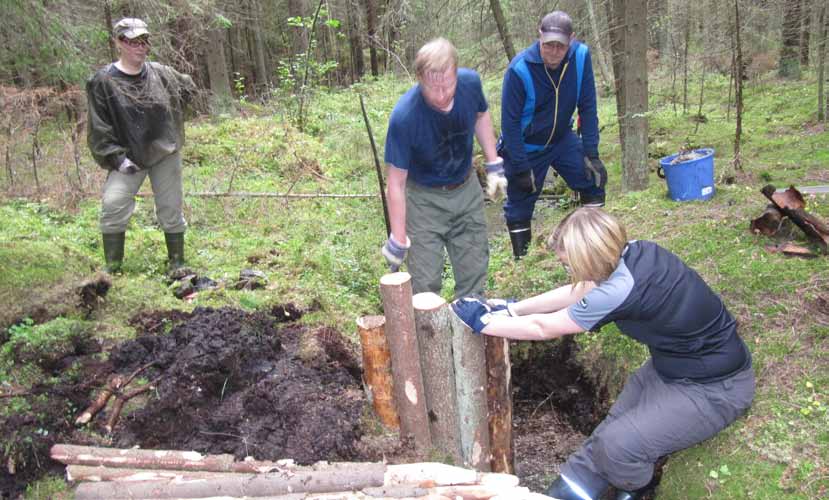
<point x="130" y="27"/>
<point x="556" y="27"/>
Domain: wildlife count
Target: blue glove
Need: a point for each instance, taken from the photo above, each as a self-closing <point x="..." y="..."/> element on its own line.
<point x="496" y="181"/>
<point x="474" y="313"/>
<point x="395" y="253"/>
<point x="502" y="307"/>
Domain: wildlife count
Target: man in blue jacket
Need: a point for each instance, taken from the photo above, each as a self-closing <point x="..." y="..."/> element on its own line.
<point x="542" y="88"/>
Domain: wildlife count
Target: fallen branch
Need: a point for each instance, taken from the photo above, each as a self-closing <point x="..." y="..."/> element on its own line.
<point x="112" y="385"/>
<point x="247" y="194"/>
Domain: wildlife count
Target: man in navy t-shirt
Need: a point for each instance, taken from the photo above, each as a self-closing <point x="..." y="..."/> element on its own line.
<point x="435" y="201"/>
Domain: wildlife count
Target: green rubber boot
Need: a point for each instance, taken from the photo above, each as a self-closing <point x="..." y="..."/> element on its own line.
<point x="175" y="251"/>
<point x="113" y="251"/>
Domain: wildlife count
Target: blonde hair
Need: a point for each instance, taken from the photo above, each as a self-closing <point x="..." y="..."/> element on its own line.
<point x="592" y="241"/>
<point x="437" y="55"/>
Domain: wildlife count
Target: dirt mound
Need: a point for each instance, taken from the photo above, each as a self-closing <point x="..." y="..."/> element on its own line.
<point x="242" y="383"/>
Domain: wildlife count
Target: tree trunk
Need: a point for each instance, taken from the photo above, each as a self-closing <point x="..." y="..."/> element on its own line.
<point x="113" y="53"/>
<point x="217" y="66"/>
<point x="738" y="87"/>
<point x="396" y="290"/>
<point x="805" y="32"/>
<point x="821" y="72"/>
<point x="600" y="55"/>
<point x="434" y="339"/>
<point x="263" y="79"/>
<point x="377" y="376"/>
<point x="499" y="401"/>
<point x="686" y="45"/>
<point x="469" y="355"/>
<point x="789" y="66"/>
<point x="371" y="30"/>
<point x="355" y="41"/>
<point x="635" y="145"/>
<point x="503" y="29"/>
<point x="616" y="31"/>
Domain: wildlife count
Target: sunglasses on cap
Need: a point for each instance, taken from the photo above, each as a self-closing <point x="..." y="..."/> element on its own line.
<point x="140" y="41"/>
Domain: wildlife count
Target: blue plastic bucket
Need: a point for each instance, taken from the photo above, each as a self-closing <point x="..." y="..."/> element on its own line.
<point x="689" y="180"/>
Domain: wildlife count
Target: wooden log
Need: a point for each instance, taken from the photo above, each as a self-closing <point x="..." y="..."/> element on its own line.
<point x="141" y="459"/>
<point x="396" y="290"/>
<point x="377" y="376"/>
<point x="335" y="478"/>
<point x="499" y="403"/>
<point x="433" y="472"/>
<point x="98" y="473"/>
<point x="791" y="203"/>
<point x="469" y="357"/>
<point x="434" y="339"/>
<point x="768" y="222"/>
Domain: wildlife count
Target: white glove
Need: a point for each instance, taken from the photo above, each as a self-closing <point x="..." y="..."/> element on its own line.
<point x="128" y="167"/>
<point x="496" y="181"/>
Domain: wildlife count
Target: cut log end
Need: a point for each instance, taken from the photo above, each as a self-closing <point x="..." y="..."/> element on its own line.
<point x="371" y="322"/>
<point x="395" y="279"/>
<point x="427" y="301"/>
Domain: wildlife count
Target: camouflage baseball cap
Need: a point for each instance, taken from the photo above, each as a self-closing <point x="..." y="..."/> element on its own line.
<point x="130" y="27"/>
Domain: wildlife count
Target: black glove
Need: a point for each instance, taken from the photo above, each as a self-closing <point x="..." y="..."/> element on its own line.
<point x="525" y="181"/>
<point x="594" y="168"/>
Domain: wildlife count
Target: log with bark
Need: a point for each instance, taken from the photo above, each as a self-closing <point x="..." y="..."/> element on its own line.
<point x="396" y="291"/>
<point x="377" y="376"/>
<point x="791" y="203"/>
<point x="434" y="340"/>
<point x="499" y="402"/>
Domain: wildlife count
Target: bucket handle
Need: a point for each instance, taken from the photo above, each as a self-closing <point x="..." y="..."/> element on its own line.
<point x="660" y="172"/>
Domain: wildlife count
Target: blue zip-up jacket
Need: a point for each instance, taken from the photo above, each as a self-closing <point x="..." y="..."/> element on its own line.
<point x="538" y="131"/>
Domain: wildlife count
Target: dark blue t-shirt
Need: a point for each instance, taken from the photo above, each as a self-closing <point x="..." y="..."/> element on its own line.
<point x="436" y="147"/>
<point x="653" y="297"/>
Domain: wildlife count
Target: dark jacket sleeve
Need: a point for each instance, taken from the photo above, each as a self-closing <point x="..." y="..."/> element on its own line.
<point x="106" y="148"/>
<point x="512" y="105"/>
<point x="588" y="111"/>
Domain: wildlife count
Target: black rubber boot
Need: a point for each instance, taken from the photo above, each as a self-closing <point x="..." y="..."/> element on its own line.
<point x="520" y="235"/>
<point x="113" y="251"/>
<point x="563" y="490"/>
<point x="175" y="251"/>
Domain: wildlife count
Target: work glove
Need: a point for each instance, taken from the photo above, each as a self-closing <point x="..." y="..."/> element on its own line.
<point x="495" y="179"/>
<point x="524" y="181"/>
<point x="502" y="307"/>
<point x="594" y="168"/>
<point x="474" y="313"/>
<point x="128" y="167"/>
<point x="395" y="253"/>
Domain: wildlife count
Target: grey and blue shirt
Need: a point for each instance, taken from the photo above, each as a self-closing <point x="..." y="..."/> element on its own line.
<point x="654" y="298"/>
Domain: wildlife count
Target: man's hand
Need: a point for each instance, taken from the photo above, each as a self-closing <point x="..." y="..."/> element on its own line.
<point x="502" y="307"/>
<point x="474" y="313"/>
<point x="395" y="253"/>
<point x="525" y="181"/>
<point x="495" y="179"/>
<point x="594" y="168"/>
<point x="128" y="167"/>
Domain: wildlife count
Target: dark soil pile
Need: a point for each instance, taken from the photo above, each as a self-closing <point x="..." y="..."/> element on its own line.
<point x="236" y="382"/>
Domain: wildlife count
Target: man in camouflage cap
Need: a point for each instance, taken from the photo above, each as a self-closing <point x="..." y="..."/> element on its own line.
<point x="136" y="130"/>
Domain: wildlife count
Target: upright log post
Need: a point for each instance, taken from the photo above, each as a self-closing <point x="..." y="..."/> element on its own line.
<point x="469" y="359"/>
<point x="396" y="291"/>
<point x="499" y="401"/>
<point x="377" y="376"/>
<point x="434" y="339"/>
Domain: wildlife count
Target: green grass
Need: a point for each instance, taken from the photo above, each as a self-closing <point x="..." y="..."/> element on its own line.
<point x="325" y="252"/>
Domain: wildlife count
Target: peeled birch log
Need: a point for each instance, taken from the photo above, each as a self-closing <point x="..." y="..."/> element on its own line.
<point x="469" y="359"/>
<point x="396" y="290"/>
<point x="499" y="401"/>
<point x="141" y="459"/>
<point x="377" y="375"/>
<point x="346" y="478"/>
<point x="434" y="339"/>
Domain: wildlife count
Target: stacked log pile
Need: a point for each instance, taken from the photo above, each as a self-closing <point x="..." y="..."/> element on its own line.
<point x="109" y="473"/>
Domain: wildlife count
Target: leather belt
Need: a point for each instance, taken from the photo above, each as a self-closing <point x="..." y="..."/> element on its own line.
<point x="452" y="187"/>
